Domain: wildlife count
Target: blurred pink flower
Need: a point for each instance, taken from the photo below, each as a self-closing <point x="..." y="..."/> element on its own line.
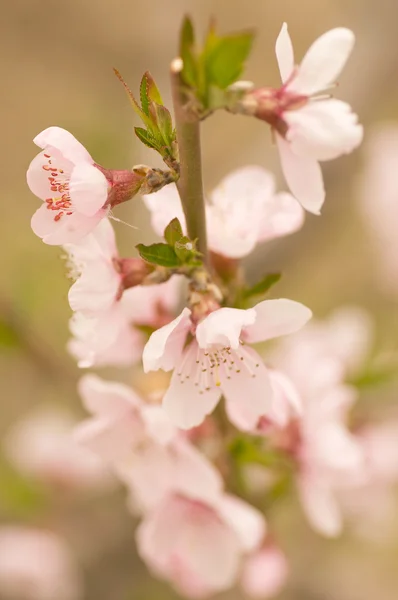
<point x="378" y="201"/>
<point x="328" y="454"/>
<point x="369" y="500"/>
<point x="36" y="565"/>
<point x="309" y="127"/>
<point x="219" y="361"/>
<point x="142" y="445"/>
<point x="200" y="547"/>
<point x="41" y="446"/>
<point x="74" y="190"/>
<point x="337" y="345"/>
<point x="243" y="211"/>
<point x="264" y="572"/>
<point x="112" y="336"/>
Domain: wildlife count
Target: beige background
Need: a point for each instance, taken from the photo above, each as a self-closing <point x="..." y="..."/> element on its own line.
<point x="56" y="69"/>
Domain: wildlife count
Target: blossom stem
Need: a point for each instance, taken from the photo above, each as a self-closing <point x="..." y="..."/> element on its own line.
<point x="189" y="185"/>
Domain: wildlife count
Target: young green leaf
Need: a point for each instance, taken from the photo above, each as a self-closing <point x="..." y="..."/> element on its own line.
<point x="159" y="254"/>
<point x="137" y="109"/>
<point x="225" y="61"/>
<point x="162" y="118"/>
<point x="187" y="53"/>
<point x="173" y="232"/>
<point x="262" y="286"/>
<point x="144" y="94"/>
<point x="146" y="138"/>
<point x="152" y="90"/>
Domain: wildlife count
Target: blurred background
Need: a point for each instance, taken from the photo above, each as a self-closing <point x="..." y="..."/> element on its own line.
<point x="56" y="69"/>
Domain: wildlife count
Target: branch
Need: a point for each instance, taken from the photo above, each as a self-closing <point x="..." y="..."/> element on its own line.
<point x="189" y="185"/>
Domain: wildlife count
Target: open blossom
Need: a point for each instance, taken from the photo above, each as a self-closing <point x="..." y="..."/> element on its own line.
<point x="101" y="275"/>
<point x="218" y="360"/>
<point x="309" y="127"/>
<point x="73" y="188"/>
<point x="36" y="565"/>
<point x="243" y="211"/>
<point x="142" y="445"/>
<point x="200" y="547"/>
<point x="41" y="447"/>
<point x="112" y="336"/>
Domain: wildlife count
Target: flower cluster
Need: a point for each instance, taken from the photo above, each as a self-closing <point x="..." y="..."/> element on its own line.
<point x="177" y="308"/>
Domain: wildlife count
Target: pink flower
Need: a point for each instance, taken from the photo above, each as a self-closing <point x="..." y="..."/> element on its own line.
<point x="41" y="447"/>
<point x="309" y="127"/>
<point x="74" y="190"/>
<point x="338" y="346"/>
<point x="142" y="445"/>
<point x="219" y="361"/>
<point x="368" y="501"/>
<point x="200" y="547"/>
<point x="36" y="565"/>
<point x="243" y="211"/>
<point x="326" y="453"/>
<point x="101" y="275"/>
<point x="112" y="336"/>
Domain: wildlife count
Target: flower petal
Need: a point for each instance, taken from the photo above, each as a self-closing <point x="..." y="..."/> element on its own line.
<point x="323" y="130"/>
<point x="247" y="522"/>
<point x="248" y="393"/>
<point x="96" y="289"/>
<point x="165" y="345"/>
<point x="69" y="229"/>
<point x="88" y="189"/>
<point x="112" y="439"/>
<point x="107" y="398"/>
<point x="284" y="53"/>
<point x="320" y="505"/>
<point x="65" y="142"/>
<point x="286" y="402"/>
<point x="184" y="402"/>
<point x="303" y="176"/>
<point x="284" y="216"/>
<point x="38" y="178"/>
<point x="224" y="326"/>
<point x="238" y="206"/>
<point x="158" y="425"/>
<point x="324" y="61"/>
<point x="275" y="318"/>
<point x="164" y="206"/>
<point x="264" y="573"/>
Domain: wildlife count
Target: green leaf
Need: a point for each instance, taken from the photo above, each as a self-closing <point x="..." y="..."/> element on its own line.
<point x="173" y="232"/>
<point x="186" y="251"/>
<point x="159" y="254"/>
<point x="146" y="138"/>
<point x="144" y="95"/>
<point x="262" y="286"/>
<point x="137" y="109"/>
<point x="152" y="90"/>
<point x="189" y="72"/>
<point x="161" y="116"/>
<point x="225" y="60"/>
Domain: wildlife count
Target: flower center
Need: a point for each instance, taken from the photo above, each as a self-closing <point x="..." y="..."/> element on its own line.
<point x="208" y="366"/>
<point x="59" y="184"/>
